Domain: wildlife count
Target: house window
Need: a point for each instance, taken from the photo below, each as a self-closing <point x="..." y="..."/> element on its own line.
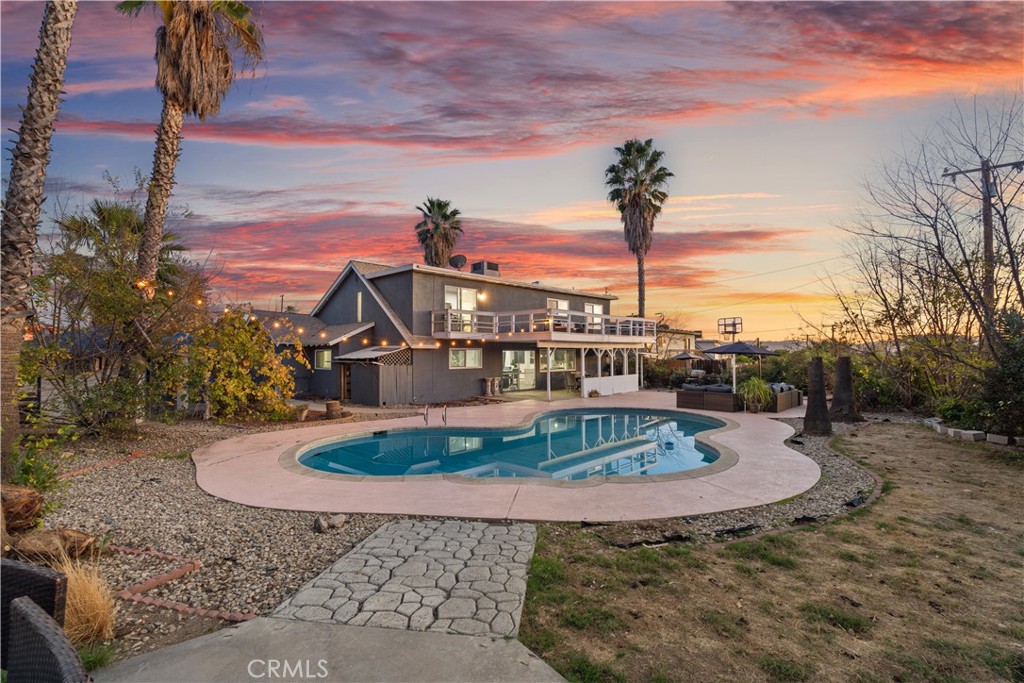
<point x="559" y="304"/>
<point x="460" y="359"/>
<point x="359" y="306"/>
<point x="322" y="359"/>
<point x="594" y="308"/>
<point x="561" y="359"/>
<point x="464" y="444"/>
<point x="460" y="298"/>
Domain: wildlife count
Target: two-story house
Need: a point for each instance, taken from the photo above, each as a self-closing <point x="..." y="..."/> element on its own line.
<point x="384" y="335"/>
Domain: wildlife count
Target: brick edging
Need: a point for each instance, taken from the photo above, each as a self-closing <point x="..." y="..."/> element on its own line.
<point x="106" y="463"/>
<point x="136" y="593"/>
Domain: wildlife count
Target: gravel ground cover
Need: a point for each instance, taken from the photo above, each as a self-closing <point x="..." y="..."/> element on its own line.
<point x="255" y="558"/>
<point x="252" y="558"/>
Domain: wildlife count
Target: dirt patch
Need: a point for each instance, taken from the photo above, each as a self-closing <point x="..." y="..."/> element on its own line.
<point x="925" y="585"/>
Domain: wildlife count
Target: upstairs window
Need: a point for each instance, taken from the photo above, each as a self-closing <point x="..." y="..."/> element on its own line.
<point x="558" y="304"/>
<point x="359" y="306"/>
<point x="460" y="298"/>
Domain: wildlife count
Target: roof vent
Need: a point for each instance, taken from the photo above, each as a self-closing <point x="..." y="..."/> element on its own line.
<point x="486" y="268"/>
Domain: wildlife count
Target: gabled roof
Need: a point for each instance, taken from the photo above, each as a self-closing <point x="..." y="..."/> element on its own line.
<point x="369" y="267"/>
<point x="310" y="330"/>
<point x="356" y="268"/>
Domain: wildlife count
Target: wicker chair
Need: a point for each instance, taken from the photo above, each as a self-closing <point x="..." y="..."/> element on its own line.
<point x="45" y="587"/>
<point x="40" y="651"/>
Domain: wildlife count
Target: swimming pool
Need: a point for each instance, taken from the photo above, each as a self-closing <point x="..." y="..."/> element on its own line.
<point x="568" y="445"/>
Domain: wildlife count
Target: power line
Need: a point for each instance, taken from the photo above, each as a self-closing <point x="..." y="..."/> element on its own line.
<point x="765" y="296"/>
<point x="772" y="272"/>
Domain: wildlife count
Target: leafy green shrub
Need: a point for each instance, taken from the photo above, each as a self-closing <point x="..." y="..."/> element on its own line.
<point x="657" y="374"/>
<point x="1003" y="392"/>
<point x="233" y="365"/>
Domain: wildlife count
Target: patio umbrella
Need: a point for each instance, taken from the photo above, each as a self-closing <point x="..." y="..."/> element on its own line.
<point x="685" y="356"/>
<point x="739" y="349"/>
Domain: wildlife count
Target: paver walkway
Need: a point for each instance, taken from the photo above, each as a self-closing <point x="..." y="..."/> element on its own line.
<point x="458" y="577"/>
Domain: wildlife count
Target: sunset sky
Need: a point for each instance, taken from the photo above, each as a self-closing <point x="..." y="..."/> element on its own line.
<point x="771" y="115"/>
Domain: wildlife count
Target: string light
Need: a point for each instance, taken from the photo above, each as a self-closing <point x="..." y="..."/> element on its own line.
<point x="383" y="342"/>
<point x="301" y="330"/>
<point x="170" y="292"/>
<point x="199" y="302"/>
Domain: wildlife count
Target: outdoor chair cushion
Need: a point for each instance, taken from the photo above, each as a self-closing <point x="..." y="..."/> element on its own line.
<point x="40" y="650"/>
<point x="693" y="387"/>
<point x="719" y="388"/>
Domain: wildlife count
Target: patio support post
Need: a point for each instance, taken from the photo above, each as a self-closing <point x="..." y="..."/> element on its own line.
<point x="549" y="374"/>
<point x="640" y="368"/>
<point x="582" y="369"/>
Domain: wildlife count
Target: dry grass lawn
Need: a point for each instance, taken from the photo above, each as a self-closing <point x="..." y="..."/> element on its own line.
<point x="925" y="585"/>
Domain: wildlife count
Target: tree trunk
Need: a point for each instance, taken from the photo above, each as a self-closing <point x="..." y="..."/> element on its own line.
<point x="23" y="202"/>
<point x="816" y="420"/>
<point x="165" y="158"/>
<point x="641" y="286"/>
<point x="10" y="347"/>
<point x="844" y="408"/>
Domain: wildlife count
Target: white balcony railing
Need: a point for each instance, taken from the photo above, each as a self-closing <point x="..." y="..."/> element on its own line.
<point x="543" y="323"/>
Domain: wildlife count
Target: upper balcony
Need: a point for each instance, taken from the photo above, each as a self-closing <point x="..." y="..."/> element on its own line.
<point x="545" y="324"/>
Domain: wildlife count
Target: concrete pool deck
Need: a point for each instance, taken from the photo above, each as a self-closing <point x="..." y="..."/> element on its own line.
<point x="248" y="470"/>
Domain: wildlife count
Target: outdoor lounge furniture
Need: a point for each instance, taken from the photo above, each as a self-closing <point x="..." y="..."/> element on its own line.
<point x="45" y="587"/>
<point x="39" y="648"/>
<point x="711" y="397"/>
<point x="719" y="397"/>
<point x="784" y="400"/>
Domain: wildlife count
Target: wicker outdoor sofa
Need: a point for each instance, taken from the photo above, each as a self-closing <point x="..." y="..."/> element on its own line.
<point x="719" y="397"/>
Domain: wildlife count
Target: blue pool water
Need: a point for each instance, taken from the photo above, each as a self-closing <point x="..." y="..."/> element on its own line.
<point x="571" y="445"/>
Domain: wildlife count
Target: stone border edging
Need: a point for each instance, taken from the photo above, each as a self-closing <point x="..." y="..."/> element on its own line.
<point x="973" y="435"/>
<point x="727" y="457"/>
<point x="135" y="593"/>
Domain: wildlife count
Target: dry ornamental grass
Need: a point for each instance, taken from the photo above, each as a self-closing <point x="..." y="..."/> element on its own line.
<point x="90" y="611"/>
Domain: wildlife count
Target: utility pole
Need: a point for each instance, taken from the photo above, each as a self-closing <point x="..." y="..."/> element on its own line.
<point x="988" y="191"/>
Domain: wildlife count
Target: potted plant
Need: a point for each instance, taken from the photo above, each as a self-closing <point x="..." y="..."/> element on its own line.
<point x="756" y="394"/>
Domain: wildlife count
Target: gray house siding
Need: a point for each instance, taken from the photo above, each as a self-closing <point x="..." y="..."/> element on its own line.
<point x="397" y="291"/>
<point x="341" y="308"/>
<point x="428" y="295"/>
<point x="434" y="382"/>
<point x="300" y="373"/>
<point x="324" y="382"/>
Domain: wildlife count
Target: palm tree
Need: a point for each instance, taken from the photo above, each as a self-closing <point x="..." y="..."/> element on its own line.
<point x="636" y="181"/>
<point x="22" y="206"/>
<point x="194" y="69"/>
<point x="438" y="231"/>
